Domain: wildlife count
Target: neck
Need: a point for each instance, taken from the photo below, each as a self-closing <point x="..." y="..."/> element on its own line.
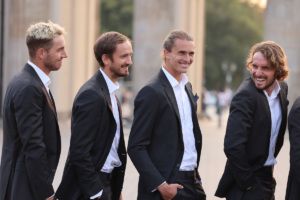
<point x="177" y="76"/>
<point x="270" y="89"/>
<point x="109" y="74"/>
<point x="40" y="65"/>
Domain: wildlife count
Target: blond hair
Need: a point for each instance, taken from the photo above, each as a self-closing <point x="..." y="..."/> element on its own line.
<point x="41" y="35"/>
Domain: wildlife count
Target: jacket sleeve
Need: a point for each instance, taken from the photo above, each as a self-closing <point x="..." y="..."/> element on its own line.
<point x="86" y="119"/>
<point x="239" y="126"/>
<point x="28" y="105"/>
<point x="294" y="135"/>
<point x="146" y="111"/>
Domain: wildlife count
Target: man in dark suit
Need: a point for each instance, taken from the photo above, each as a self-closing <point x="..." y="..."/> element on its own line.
<point x="165" y="140"/>
<point x="97" y="156"/>
<point x="31" y="138"/>
<point x="293" y="192"/>
<point x="256" y="126"/>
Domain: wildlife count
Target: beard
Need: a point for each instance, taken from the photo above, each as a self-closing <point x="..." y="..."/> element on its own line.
<point x="268" y="84"/>
<point x="52" y="65"/>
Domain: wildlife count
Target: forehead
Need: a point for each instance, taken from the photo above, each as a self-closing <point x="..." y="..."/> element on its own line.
<point x="58" y="40"/>
<point x="184" y="44"/>
<point x="123" y="47"/>
<point x="259" y="58"/>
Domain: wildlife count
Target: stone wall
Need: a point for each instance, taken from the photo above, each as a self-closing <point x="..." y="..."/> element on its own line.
<point x="153" y="20"/>
<point x="282" y="25"/>
<point x="80" y="20"/>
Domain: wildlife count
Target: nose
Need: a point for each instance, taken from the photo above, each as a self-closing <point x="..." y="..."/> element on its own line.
<point x="257" y="71"/>
<point x="129" y="60"/>
<point x="64" y="54"/>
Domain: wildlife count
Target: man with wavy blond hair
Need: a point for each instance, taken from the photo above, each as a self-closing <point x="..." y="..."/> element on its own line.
<point x="256" y="126"/>
<point x="31" y="138"/>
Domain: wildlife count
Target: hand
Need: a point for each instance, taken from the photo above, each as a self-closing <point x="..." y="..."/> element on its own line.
<point x="169" y="191"/>
<point x="121" y="197"/>
<point x="50" y="198"/>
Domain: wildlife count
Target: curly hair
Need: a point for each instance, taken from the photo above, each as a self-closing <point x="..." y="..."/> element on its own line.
<point x="275" y="56"/>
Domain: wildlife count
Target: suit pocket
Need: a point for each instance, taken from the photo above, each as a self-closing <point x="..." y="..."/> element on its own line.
<point x="178" y="195"/>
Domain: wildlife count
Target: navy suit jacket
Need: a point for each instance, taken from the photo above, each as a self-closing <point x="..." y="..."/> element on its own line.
<point x="31" y="139"/>
<point x="247" y="137"/>
<point x="293" y="192"/>
<point x="93" y="129"/>
<point x="155" y="143"/>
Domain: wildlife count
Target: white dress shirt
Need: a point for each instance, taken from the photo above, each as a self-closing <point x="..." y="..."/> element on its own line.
<point x="112" y="159"/>
<point x="189" y="159"/>
<point x="44" y="77"/>
<point x="276" y="117"/>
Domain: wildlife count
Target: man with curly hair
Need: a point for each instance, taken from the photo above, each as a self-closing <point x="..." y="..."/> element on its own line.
<point x="256" y="126"/>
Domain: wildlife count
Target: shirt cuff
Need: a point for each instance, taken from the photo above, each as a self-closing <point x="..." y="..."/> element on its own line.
<point x="97" y="195"/>
<point x="51" y="196"/>
<point x="158" y="186"/>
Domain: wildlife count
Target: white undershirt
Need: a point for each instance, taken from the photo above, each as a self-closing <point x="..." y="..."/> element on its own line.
<point x="189" y="159"/>
<point x="276" y="117"/>
<point x="44" y="77"/>
<point x="112" y="159"/>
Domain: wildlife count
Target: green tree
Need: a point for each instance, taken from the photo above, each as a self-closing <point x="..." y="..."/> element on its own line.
<point x="117" y="15"/>
<point x="232" y="27"/>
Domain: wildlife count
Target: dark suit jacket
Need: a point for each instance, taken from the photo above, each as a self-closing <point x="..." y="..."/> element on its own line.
<point x="93" y="130"/>
<point x="293" y="186"/>
<point x="31" y="145"/>
<point x="248" y="134"/>
<point x="155" y="143"/>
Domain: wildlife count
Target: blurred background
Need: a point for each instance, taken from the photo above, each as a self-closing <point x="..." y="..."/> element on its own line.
<point x="223" y="31"/>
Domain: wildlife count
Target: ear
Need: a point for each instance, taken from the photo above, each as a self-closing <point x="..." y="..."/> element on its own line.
<point x="165" y="53"/>
<point x="106" y="59"/>
<point x="40" y="53"/>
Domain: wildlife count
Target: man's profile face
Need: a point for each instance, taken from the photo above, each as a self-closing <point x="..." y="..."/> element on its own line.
<point x="55" y="55"/>
<point x="121" y="61"/>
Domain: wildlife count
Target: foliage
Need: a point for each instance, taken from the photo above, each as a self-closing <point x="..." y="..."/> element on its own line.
<point x="232" y="27"/>
<point x="117" y="15"/>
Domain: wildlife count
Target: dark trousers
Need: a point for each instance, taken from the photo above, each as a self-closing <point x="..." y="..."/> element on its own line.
<point x="264" y="188"/>
<point x="192" y="186"/>
<point x="106" y="179"/>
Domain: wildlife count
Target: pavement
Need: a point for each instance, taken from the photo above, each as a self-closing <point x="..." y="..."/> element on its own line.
<point x="211" y="164"/>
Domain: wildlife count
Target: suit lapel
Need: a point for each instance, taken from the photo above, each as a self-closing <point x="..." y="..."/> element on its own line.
<point x="196" y="129"/>
<point x="169" y="92"/>
<point x="50" y="102"/>
<point x="192" y="98"/>
<point x="283" y="105"/>
<point x="104" y="89"/>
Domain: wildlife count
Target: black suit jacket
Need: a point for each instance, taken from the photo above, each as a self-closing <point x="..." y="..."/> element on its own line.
<point x="248" y="134"/>
<point x="93" y="129"/>
<point x="155" y="143"/>
<point x="31" y="139"/>
<point x="293" y="192"/>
